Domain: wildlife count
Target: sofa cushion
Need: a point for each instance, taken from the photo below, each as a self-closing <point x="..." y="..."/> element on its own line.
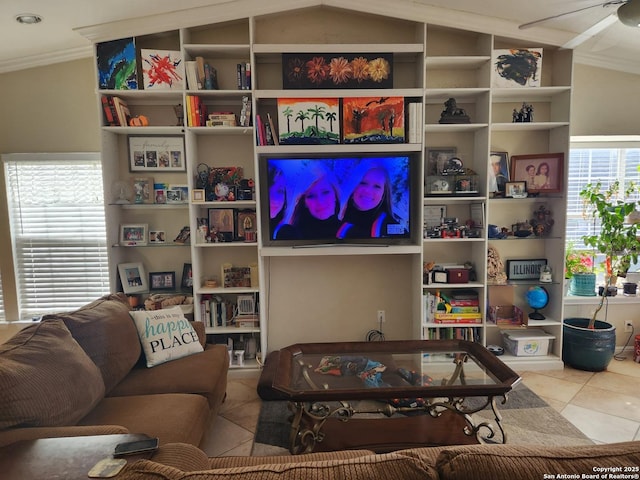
<point x="104" y="329"/>
<point x="165" y="335"/>
<point x="172" y="417"/>
<point x="508" y="462"/>
<point x="46" y="378"/>
<point x="204" y="373"/>
<point x="389" y="466"/>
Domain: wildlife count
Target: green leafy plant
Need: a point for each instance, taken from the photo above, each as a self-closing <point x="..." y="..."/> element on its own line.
<point x="577" y="261"/>
<point x="613" y="236"/>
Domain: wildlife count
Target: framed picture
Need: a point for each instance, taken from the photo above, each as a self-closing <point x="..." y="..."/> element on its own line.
<point x="246" y="222"/>
<point x="528" y="269"/>
<point x="372" y="120"/>
<point x="324" y="129"/>
<point x="197" y="195"/>
<point x="162" y="280"/>
<point x="221" y="221"/>
<point x="133" y="234"/>
<point x="187" y="276"/>
<point x="438" y="160"/>
<point x="156" y="153"/>
<point x="434" y="215"/>
<point x="157" y="236"/>
<point x="498" y="171"/>
<point x="174" y="196"/>
<point x="132" y="277"/>
<point x="544" y="172"/>
<point x="160" y="194"/>
<point x="516" y="189"/>
<point x="516" y="67"/>
<point x="349" y="70"/>
<point x="142" y="189"/>
<point x="184" y="192"/>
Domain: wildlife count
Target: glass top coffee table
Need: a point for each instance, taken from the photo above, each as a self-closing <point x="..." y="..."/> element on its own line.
<point x="424" y="390"/>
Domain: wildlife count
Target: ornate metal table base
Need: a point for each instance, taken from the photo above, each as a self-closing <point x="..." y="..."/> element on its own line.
<point x="310" y="418"/>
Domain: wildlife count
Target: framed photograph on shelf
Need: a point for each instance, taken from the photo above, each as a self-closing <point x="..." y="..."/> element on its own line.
<point x="516" y="189"/>
<point x="174" y="196"/>
<point x="184" y="192"/>
<point x="133" y="234"/>
<point x="162" y="280"/>
<point x="498" y="172"/>
<point x="142" y="189"/>
<point x="221" y="221"/>
<point x="543" y="172"/>
<point x="132" y="277"/>
<point x="156" y="153"/>
<point x="197" y="195"/>
<point x="157" y="236"/>
<point x="246" y="223"/>
<point x="187" y="276"/>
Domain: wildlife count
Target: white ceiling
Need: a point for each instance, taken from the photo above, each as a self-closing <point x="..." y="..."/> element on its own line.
<point x="69" y="26"/>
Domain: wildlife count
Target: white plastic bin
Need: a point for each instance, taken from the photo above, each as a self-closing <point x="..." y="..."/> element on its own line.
<point x="527" y="343"/>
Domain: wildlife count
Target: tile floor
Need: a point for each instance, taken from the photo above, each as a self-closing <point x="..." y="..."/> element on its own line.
<point x="604" y="405"/>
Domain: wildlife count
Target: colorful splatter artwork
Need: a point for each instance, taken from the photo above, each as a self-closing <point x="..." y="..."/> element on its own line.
<point x="162" y="69"/>
<point x="117" y="64"/>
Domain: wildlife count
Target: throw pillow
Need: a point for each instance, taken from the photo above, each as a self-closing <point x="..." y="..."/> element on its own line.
<point x="46" y="379"/>
<point x="165" y="335"/>
<point x="104" y="329"/>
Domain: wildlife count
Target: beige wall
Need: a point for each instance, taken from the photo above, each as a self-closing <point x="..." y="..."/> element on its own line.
<point x="46" y="109"/>
<point x="54" y="109"/>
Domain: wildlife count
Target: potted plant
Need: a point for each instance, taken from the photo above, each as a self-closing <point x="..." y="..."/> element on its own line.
<point x="579" y="271"/>
<point x="589" y="344"/>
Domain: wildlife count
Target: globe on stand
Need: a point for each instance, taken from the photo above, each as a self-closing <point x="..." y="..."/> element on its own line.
<point x="537" y="298"/>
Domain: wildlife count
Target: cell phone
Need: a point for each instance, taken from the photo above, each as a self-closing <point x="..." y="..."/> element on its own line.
<point x="138" y="446"/>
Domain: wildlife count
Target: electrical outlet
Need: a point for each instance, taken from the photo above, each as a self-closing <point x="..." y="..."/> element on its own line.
<point x="628" y="326"/>
<point x="381" y="316"/>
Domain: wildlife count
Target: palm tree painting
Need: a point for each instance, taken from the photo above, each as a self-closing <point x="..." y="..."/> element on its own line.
<point x="373" y="120"/>
<point x="309" y="121"/>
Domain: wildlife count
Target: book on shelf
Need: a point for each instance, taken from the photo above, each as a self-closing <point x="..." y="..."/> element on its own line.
<point x="274" y="132"/>
<point x="200" y="71"/>
<point x="191" y="71"/>
<point x="243" y="75"/>
<point x="415" y="122"/>
<point x="457" y="317"/>
<point x="210" y="77"/>
<point x="452" y="333"/>
<point x="109" y="110"/>
<point x="245" y="112"/>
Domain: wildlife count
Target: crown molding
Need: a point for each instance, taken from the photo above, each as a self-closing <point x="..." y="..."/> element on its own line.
<point x="43" y="59"/>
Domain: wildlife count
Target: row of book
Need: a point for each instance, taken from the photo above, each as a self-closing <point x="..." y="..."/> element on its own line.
<point x="198" y="114"/>
<point x="116" y="111"/>
<point x="452" y="333"/>
<point x="456" y="306"/>
<point x="266" y="133"/>
<point x="201" y="75"/>
<point x="415" y="122"/>
<point x="216" y="311"/>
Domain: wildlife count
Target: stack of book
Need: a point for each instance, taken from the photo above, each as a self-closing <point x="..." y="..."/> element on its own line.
<point x="456" y="307"/>
<point x="201" y="75"/>
<point x="116" y="111"/>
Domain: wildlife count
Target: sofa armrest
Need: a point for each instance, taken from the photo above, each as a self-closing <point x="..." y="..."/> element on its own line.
<point x="8" y="437"/>
<point x="183" y="456"/>
<point x="201" y="332"/>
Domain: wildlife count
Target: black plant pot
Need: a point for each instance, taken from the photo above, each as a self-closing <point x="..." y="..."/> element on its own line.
<point x="585" y="349"/>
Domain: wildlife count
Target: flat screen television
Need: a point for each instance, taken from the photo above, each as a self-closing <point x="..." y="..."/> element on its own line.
<point x="324" y="200"/>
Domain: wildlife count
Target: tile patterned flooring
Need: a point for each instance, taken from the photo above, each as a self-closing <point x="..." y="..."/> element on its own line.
<point x="605" y="406"/>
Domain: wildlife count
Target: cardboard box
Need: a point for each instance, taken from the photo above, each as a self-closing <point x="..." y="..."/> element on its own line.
<point x="506" y="315"/>
<point x="532" y="342"/>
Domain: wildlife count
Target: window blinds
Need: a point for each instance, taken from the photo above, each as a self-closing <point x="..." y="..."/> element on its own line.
<point x="56" y="209"/>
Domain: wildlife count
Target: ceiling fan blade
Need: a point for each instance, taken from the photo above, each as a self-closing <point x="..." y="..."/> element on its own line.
<point x="594" y="30"/>
<point x="552" y="17"/>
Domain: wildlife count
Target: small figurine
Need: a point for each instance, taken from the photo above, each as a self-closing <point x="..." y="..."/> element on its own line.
<point x="525" y="115"/>
<point x="542" y="221"/>
<point x="453" y="114"/>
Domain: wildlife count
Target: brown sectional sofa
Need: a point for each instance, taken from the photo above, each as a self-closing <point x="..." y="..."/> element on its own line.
<point x="471" y="462"/>
<point x="83" y="373"/>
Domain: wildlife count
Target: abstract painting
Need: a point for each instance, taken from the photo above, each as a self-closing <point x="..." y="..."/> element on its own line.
<point x="517" y="67"/>
<point x="162" y="69"/>
<point x="348" y="70"/>
<point x="309" y="121"/>
<point x="373" y="120"/>
<point x="117" y="64"/>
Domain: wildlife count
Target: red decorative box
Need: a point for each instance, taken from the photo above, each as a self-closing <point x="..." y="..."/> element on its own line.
<point x="458" y="275"/>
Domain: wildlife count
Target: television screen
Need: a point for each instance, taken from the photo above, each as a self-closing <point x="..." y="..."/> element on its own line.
<point x="336" y="199"/>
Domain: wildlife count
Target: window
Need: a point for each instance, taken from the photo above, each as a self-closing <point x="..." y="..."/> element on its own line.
<point x="592" y="160"/>
<point x="56" y="211"/>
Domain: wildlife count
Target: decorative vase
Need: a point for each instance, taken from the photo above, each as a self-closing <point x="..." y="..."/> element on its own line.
<point x="583" y="285"/>
<point x="586" y="349"/>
